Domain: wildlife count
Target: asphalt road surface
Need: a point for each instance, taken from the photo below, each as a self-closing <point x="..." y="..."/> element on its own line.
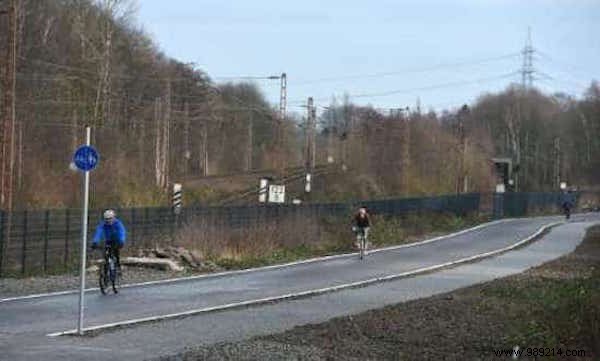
<point x="25" y="323"/>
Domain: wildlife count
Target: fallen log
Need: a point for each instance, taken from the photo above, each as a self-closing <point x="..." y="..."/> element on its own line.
<point x="164" y="264"/>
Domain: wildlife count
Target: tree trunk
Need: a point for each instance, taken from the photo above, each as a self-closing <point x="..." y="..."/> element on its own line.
<point x="158" y="143"/>
<point x="187" y="153"/>
<point x="513" y="125"/>
<point x="167" y="137"/>
<point x="250" y="144"/>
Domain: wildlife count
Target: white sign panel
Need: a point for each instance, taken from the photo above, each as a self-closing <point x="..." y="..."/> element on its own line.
<point x="276" y="193"/>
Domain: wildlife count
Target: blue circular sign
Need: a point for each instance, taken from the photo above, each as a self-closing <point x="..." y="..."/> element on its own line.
<point x="85" y="158"/>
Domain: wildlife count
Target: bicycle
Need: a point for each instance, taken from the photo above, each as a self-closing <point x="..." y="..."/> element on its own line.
<point x="362" y="241"/>
<point x="567" y="211"/>
<point x="108" y="272"/>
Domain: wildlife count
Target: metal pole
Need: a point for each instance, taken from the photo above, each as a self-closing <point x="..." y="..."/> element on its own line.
<point x="313" y="147"/>
<point x="283" y="97"/>
<point x="280" y="133"/>
<point x="307" y="134"/>
<point x="84" y="221"/>
<point x="24" y="250"/>
<point x="46" y="225"/>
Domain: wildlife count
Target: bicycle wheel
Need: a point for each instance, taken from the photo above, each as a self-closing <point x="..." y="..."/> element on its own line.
<point x="103" y="279"/>
<point x="362" y="246"/>
<point x="113" y="275"/>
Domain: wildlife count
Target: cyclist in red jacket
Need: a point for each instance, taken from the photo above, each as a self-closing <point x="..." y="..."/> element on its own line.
<point x="362" y="225"/>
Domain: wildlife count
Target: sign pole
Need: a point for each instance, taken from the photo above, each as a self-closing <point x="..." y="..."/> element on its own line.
<point x="84" y="221"/>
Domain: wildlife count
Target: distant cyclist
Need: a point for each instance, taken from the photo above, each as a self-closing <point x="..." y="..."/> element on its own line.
<point x="112" y="231"/>
<point x="362" y="225"/>
<point x="567" y="202"/>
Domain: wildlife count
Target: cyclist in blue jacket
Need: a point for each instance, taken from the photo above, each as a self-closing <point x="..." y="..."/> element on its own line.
<point x="113" y="232"/>
<point x="567" y="202"/>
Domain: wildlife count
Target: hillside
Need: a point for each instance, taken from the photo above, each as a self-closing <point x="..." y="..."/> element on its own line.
<point x="156" y="120"/>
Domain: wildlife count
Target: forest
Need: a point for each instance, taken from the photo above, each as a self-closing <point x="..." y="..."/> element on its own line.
<point x="156" y="120"/>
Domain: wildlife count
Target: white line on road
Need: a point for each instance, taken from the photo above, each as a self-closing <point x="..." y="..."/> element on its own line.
<point x="265" y="268"/>
<point x="308" y="293"/>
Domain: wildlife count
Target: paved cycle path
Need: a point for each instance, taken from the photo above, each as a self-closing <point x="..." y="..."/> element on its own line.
<point x="32" y="319"/>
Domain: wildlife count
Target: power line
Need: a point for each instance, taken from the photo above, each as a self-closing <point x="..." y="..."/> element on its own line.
<point x="553" y="81"/>
<point x="115" y="76"/>
<point x="573" y="79"/>
<point x="551" y="59"/>
<point x="265" y="111"/>
<point x="247" y="77"/>
<point x="430" y="87"/>
<point x="401" y="72"/>
<point x="444" y="85"/>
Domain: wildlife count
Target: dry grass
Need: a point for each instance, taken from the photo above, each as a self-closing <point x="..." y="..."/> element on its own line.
<point x="292" y="238"/>
<point x="255" y="240"/>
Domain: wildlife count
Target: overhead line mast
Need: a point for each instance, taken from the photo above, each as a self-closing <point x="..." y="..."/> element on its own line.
<point x="527" y="70"/>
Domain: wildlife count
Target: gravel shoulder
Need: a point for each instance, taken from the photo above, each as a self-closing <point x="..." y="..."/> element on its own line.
<point x="555" y="307"/>
<point x="14" y="287"/>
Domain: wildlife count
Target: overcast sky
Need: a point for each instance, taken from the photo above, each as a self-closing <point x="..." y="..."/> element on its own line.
<point x="384" y="53"/>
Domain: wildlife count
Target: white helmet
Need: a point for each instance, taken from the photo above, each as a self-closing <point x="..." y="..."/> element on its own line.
<point x="109" y="215"/>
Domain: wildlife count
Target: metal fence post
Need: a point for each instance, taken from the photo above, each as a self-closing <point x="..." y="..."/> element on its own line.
<point x="498" y="205"/>
<point x="24" y="241"/>
<point x="2" y="229"/>
<point x="46" y="224"/>
<point x="145" y="223"/>
<point x="132" y="238"/>
<point x="171" y="219"/>
<point x="67" y="225"/>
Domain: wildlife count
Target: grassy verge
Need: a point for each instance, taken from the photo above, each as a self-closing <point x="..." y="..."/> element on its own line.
<point x="561" y="301"/>
<point x="336" y="237"/>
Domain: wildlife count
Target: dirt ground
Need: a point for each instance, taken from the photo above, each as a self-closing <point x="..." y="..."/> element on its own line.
<point x="555" y="307"/>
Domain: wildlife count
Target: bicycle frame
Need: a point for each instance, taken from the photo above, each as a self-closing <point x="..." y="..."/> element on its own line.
<point x="108" y="271"/>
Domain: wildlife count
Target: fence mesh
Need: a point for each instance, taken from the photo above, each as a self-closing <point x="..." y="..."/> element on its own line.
<point x="42" y="240"/>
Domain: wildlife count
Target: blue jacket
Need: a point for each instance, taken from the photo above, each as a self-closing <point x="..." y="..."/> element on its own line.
<point x="110" y="233"/>
<point x="567" y="199"/>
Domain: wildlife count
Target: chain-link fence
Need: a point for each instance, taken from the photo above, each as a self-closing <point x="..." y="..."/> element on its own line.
<point x="536" y="203"/>
<point x="47" y="241"/>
